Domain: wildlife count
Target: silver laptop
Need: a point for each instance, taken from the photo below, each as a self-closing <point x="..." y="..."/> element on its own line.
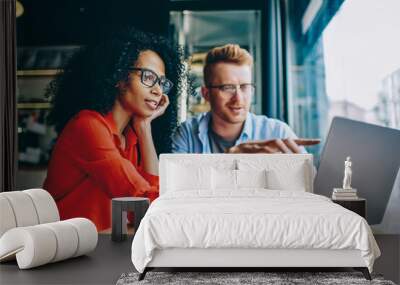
<point x="375" y="155"/>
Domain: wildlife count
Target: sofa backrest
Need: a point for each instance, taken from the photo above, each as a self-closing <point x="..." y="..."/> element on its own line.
<point x="291" y="171"/>
<point x="26" y="208"/>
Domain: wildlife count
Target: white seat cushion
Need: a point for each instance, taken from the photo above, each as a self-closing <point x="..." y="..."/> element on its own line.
<point x="40" y="244"/>
<point x="66" y="237"/>
<point x="31" y="232"/>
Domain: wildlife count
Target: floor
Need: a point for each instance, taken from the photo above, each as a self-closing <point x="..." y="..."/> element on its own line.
<point x="102" y="266"/>
<point x="389" y="262"/>
<point x="110" y="260"/>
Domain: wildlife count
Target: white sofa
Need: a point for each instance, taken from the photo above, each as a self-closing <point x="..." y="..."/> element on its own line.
<point x="31" y="231"/>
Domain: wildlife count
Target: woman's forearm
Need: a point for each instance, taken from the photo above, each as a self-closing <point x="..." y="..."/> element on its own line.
<point x="149" y="159"/>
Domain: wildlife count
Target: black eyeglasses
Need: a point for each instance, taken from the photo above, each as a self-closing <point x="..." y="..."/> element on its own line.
<point x="231" y="89"/>
<point x="149" y="78"/>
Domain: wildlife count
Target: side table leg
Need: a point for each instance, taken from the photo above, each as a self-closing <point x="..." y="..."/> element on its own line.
<point x="139" y="212"/>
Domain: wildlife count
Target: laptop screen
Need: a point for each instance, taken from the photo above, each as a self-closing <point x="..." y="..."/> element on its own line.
<point x="375" y="155"/>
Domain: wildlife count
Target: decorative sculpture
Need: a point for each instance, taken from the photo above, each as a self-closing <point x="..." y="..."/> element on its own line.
<point x="347" y="174"/>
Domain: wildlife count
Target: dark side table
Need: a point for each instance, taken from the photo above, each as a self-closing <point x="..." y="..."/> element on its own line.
<point x="120" y="207"/>
<point x="358" y="205"/>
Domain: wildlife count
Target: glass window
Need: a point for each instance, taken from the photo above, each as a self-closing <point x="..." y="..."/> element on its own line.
<point x="37" y="66"/>
<point x="351" y="69"/>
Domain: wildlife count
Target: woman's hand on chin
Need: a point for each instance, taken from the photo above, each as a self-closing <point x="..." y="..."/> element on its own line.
<point x="162" y="106"/>
<point x="141" y="124"/>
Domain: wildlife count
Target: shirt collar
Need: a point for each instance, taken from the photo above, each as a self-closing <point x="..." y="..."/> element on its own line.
<point x="245" y="134"/>
<point x="204" y="124"/>
<point x="247" y="128"/>
<point x="130" y="134"/>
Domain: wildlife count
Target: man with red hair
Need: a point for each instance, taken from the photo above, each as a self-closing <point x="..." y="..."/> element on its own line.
<point x="230" y="126"/>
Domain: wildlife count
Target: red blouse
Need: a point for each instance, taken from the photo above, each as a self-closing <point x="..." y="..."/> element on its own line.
<point x="88" y="168"/>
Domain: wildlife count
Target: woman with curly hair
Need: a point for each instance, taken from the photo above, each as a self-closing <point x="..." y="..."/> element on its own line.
<point x="109" y="102"/>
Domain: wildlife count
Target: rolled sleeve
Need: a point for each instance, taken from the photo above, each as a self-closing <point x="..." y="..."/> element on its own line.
<point x="152" y="179"/>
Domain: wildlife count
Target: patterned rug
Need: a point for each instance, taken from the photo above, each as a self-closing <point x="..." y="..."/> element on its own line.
<point x="269" y="278"/>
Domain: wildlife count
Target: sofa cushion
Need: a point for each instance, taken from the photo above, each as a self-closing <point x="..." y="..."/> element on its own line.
<point x="40" y="244"/>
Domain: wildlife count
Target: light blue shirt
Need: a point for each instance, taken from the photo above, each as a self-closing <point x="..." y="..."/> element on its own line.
<point x="192" y="135"/>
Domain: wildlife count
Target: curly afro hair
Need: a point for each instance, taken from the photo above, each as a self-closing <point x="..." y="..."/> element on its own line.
<point x="89" y="80"/>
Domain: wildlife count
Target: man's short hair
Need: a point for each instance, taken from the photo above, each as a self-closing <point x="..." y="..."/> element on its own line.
<point x="229" y="53"/>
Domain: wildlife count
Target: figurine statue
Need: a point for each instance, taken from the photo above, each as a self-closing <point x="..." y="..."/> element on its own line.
<point x="347" y="174"/>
